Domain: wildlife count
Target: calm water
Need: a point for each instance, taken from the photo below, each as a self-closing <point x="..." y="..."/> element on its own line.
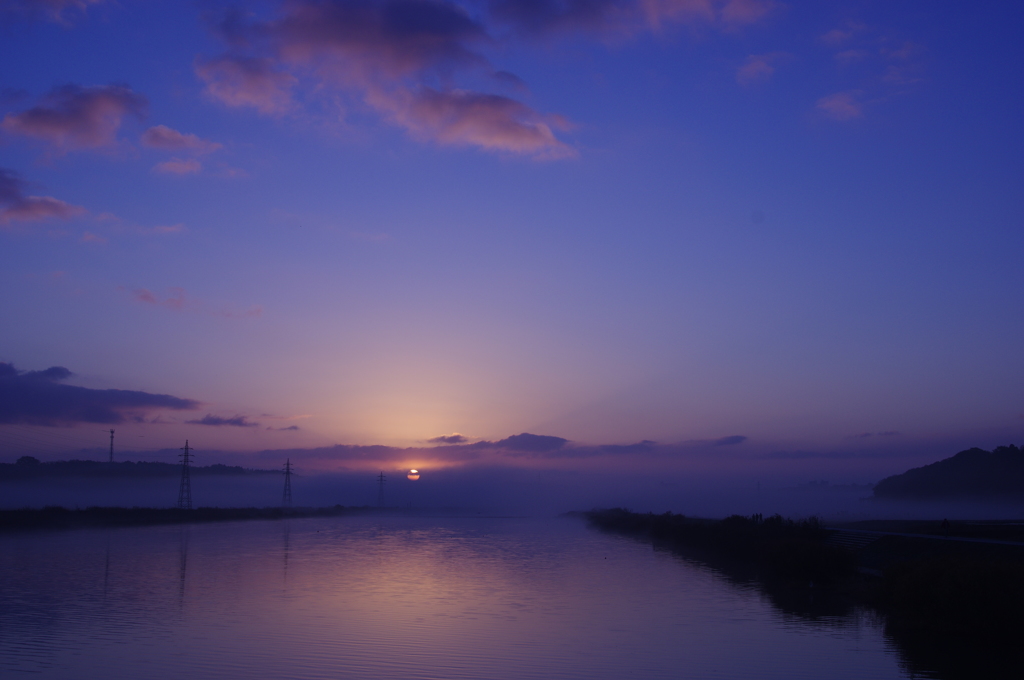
<point x="398" y="598"/>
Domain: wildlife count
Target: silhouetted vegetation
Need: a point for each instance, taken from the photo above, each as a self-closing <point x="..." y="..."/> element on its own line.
<point x="780" y="548"/>
<point x="28" y="467"/>
<point x="955" y="609"/>
<point x="971" y="473"/>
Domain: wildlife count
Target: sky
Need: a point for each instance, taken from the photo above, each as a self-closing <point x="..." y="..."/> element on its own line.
<point x="746" y="233"/>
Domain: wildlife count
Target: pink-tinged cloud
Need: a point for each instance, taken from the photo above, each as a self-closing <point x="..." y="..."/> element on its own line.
<point x="163" y="137"/>
<point x="179" y="166"/>
<point x="840" y="36"/>
<point x="744" y="12"/>
<point x="35" y="208"/>
<point x="386" y="52"/>
<point x="489" y="121"/>
<point x="89" y="237"/>
<point x="74" y="117"/>
<point x="248" y="82"/>
<point x="15" y="206"/>
<point x="176" y="300"/>
<point x="841" y="106"/>
<point x="53" y="10"/>
<point x="758" y="68"/>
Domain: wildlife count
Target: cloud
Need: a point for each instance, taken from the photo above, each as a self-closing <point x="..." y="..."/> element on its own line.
<point x="532" y="443"/>
<point x="73" y="117"/>
<point x="163" y="137"/>
<point x="179" y="166"/>
<point x="489" y="121"/>
<point x="390" y="54"/>
<point x="53" y="10"/>
<point x="758" y="68"/>
<point x="176" y="300"/>
<point x="15" y="206"/>
<point x="744" y="12"/>
<point x="625" y="17"/>
<point x="248" y="81"/>
<point x="38" y="398"/>
<point x="89" y="237"/>
<point x="453" y="438"/>
<point x="841" y="106"/>
<point x="640" y="447"/>
<point x="217" y="421"/>
<point x="840" y="36"/>
<point x="729" y="441"/>
<point x="405" y="58"/>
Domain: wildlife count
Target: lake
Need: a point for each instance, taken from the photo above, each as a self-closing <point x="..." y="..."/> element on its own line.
<point x="401" y="597"/>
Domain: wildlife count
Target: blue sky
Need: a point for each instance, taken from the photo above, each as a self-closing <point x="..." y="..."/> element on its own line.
<point x="605" y="221"/>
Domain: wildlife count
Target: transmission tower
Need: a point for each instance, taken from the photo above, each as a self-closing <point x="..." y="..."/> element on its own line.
<point x="111" y="445"/>
<point x="380" y="489"/>
<point x="185" y="490"/>
<point x="286" y="500"/>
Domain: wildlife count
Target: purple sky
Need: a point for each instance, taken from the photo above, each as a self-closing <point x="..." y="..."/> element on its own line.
<point x="287" y="225"/>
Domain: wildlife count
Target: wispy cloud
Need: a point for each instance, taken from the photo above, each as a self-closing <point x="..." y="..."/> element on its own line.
<point x="58" y="11"/>
<point x="163" y="137"/>
<point x="879" y="64"/>
<point x="73" y="117"/>
<point x="178" y="300"/>
<point x="254" y="82"/>
<point x="16" y="206"/>
<point x="217" y="421"/>
<point x="179" y="166"/>
<point x="842" y="106"/>
<point x="759" y="68"/>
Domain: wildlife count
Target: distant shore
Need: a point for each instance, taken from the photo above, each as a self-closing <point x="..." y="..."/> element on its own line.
<point x="54" y="517"/>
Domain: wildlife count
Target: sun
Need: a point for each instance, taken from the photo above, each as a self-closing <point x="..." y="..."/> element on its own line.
<point x="413" y="475"/>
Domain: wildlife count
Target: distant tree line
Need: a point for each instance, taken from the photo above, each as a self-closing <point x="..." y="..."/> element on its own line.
<point x="28" y="467"/>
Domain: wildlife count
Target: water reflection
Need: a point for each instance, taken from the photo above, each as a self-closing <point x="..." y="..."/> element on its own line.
<point x="404" y="598"/>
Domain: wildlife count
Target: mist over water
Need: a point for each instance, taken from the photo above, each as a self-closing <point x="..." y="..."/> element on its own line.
<point x="510" y="491"/>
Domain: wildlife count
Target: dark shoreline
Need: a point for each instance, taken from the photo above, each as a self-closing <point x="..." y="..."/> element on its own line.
<point x="953" y="608"/>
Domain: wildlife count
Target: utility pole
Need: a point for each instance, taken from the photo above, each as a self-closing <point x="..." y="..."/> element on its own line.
<point x="111" y="445"/>
<point x="286" y="500"/>
<point x="185" y="490"/>
<point x="380" y="489"/>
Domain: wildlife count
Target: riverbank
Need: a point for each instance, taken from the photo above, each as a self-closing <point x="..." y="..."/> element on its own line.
<point x="956" y="607"/>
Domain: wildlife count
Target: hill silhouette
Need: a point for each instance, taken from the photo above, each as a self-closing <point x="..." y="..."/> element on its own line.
<point x="971" y="473"/>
